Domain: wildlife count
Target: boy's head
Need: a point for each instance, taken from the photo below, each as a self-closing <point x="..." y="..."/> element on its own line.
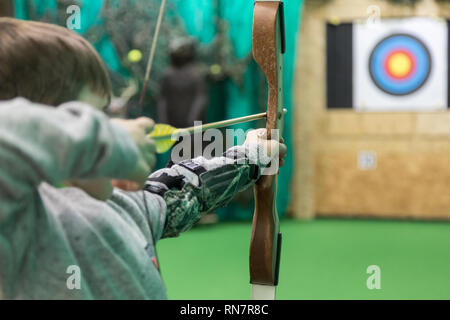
<point x="182" y="51"/>
<point x="48" y="64"/>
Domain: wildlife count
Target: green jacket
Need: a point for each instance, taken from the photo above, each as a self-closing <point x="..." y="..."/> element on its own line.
<point x="50" y="235"/>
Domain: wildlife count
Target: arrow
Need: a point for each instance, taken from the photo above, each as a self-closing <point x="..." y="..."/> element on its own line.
<point x="165" y="135"/>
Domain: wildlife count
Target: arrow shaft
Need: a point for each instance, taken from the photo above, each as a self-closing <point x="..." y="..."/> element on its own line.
<point x="225" y="123"/>
<point x="214" y="125"/>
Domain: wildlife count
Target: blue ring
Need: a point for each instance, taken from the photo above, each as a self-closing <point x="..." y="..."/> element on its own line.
<point x="394" y="86"/>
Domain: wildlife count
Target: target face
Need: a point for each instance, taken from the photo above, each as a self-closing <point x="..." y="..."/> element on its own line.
<point x="400" y="64"/>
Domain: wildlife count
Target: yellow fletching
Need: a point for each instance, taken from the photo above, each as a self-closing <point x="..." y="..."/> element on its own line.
<point x="162" y="134"/>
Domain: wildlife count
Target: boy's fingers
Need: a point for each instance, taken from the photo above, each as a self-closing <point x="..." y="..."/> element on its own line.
<point x="145" y="123"/>
<point x="126" y="185"/>
<point x="141" y="172"/>
<point x="151" y="160"/>
<point x="150" y="145"/>
<point x="282" y="150"/>
<point x="150" y="153"/>
<point x="261" y="132"/>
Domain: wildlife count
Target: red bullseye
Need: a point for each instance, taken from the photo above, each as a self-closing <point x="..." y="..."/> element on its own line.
<point x="400" y="64"/>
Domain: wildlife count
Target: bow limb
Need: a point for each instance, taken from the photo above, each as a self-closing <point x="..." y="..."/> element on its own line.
<point x="265" y="243"/>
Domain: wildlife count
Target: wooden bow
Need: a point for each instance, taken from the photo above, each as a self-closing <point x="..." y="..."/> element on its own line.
<point x="265" y="244"/>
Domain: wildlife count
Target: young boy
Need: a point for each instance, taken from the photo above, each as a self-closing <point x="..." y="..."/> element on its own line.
<point x="47" y="230"/>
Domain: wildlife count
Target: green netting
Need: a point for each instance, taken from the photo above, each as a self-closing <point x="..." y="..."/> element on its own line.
<point x="238" y="101"/>
<point x="198" y="17"/>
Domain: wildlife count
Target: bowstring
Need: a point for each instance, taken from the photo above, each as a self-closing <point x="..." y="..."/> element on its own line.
<point x="151" y="55"/>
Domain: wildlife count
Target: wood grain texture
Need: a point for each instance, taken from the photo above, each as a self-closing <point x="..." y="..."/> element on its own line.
<point x="265" y="229"/>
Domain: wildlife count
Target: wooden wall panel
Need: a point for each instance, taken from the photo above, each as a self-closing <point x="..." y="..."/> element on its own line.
<point x="412" y="174"/>
<point x="403" y="185"/>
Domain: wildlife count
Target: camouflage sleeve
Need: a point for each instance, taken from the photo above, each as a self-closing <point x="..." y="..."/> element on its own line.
<point x="195" y="187"/>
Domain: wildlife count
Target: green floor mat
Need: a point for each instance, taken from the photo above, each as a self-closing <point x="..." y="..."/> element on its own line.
<point x="322" y="259"/>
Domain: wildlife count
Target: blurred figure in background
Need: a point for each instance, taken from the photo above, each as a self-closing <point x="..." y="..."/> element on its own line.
<point x="184" y="93"/>
<point x="184" y="96"/>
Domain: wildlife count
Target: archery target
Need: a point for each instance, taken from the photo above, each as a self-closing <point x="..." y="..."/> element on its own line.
<point x="400" y="65"/>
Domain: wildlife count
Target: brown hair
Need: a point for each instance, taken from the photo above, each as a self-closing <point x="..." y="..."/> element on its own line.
<point x="47" y="64"/>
